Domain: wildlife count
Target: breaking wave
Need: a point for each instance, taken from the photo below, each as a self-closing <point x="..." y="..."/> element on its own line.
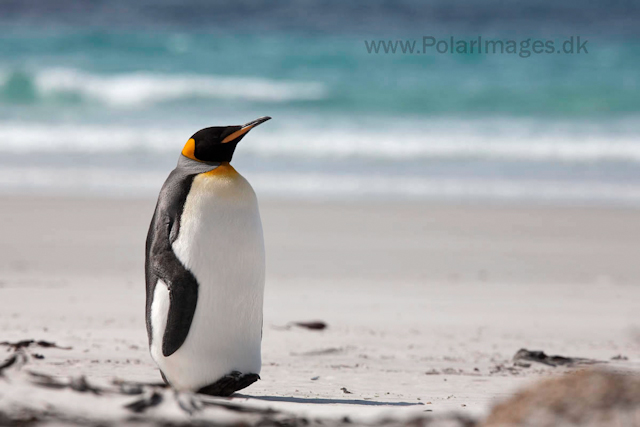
<point x="145" y="88"/>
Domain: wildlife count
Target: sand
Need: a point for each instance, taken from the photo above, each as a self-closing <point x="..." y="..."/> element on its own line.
<point x="425" y="306"/>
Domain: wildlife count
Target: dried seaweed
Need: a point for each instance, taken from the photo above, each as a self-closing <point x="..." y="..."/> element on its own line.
<point x="524" y="355"/>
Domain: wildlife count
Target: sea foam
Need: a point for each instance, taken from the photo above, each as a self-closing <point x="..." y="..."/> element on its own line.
<point x="459" y="140"/>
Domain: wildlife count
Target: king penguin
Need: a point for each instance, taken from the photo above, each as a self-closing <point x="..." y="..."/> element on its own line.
<point x="204" y="268"/>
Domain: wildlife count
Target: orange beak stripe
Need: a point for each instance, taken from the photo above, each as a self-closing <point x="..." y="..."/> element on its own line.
<point x="238" y="133"/>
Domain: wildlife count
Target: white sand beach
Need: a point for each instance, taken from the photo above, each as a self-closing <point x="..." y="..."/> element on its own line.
<point x="425" y="305"/>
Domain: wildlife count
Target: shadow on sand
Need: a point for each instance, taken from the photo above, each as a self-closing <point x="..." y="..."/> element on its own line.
<point x="327" y="401"/>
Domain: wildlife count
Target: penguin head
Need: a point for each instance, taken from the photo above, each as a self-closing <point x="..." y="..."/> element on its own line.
<point x="217" y="144"/>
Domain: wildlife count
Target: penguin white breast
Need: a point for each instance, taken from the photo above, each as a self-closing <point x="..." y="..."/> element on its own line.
<point x="220" y="241"/>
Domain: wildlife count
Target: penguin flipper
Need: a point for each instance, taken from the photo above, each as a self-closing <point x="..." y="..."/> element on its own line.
<point x="183" y="297"/>
<point x="163" y="264"/>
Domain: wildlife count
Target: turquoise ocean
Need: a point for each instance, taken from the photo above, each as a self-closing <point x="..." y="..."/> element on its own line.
<point x="99" y="99"/>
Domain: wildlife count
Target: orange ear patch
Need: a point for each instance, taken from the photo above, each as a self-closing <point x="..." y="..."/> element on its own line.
<point x="189" y="149"/>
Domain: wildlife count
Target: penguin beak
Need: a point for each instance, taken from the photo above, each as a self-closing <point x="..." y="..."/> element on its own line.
<point x="245" y="128"/>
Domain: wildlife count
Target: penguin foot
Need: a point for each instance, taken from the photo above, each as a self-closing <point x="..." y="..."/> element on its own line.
<point x="229" y="384"/>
